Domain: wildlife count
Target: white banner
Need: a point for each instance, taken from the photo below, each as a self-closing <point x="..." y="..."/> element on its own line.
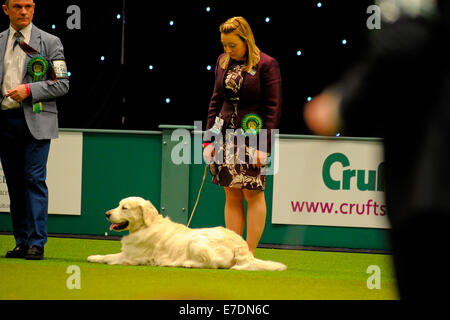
<point x="64" y="174"/>
<point x="330" y="182"/>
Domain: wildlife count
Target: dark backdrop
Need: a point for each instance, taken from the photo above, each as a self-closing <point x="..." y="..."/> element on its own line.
<point x="105" y="94"/>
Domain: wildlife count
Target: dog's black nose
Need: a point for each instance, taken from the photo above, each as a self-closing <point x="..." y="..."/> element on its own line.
<point x="108" y="213"/>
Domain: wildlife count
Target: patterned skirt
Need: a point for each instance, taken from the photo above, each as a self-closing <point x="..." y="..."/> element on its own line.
<point x="236" y="170"/>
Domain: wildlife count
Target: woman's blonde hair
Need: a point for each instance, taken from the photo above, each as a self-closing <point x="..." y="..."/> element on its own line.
<point x="241" y="27"/>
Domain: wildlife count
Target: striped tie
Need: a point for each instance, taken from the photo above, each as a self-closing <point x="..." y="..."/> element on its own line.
<point x="18" y="39"/>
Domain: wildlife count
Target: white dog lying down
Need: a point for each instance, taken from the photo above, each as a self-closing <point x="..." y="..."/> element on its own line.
<point x="157" y="241"/>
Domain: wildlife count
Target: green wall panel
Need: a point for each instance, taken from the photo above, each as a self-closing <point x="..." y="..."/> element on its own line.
<point x="116" y="166"/>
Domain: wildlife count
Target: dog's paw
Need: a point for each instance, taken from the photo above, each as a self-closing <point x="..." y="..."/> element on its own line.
<point x="95" y="259"/>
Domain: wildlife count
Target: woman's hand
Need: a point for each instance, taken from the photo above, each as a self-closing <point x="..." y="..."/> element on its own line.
<point x="209" y="153"/>
<point x="259" y="159"/>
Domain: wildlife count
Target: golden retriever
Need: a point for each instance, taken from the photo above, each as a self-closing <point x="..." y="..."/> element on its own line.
<point x="157" y="241"/>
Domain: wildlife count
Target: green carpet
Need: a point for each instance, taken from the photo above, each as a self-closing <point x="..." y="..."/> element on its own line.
<point x="310" y="275"/>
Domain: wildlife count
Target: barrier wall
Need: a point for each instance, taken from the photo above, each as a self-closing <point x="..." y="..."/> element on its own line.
<point x="117" y="164"/>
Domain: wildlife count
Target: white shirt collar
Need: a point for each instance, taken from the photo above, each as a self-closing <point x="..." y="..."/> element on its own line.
<point x="26" y="32"/>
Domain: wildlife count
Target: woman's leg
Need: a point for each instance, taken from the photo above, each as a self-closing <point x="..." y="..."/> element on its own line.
<point x="234" y="210"/>
<point x="256" y="217"/>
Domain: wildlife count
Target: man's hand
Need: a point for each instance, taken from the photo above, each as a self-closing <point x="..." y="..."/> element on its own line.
<point x="18" y="93"/>
<point x="322" y="114"/>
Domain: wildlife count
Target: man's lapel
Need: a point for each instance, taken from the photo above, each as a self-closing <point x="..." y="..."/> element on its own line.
<point x="35" y="42"/>
<point x="3" y="41"/>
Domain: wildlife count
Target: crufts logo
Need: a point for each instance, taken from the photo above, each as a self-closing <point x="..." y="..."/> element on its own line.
<point x="366" y="180"/>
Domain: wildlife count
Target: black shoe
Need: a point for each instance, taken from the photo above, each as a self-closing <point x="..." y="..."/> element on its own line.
<point x="17" y="252"/>
<point x="35" y="253"/>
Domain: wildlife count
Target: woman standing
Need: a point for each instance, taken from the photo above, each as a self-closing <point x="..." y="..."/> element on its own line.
<point x="247" y="97"/>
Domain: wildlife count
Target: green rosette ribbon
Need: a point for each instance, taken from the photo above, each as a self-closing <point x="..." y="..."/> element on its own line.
<point x="251" y="124"/>
<point x="37" y="68"/>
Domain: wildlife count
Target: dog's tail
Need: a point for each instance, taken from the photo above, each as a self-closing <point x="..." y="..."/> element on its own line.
<point x="246" y="261"/>
<point x="257" y="264"/>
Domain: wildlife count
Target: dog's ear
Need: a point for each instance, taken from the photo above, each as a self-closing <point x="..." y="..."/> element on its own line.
<point x="149" y="212"/>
